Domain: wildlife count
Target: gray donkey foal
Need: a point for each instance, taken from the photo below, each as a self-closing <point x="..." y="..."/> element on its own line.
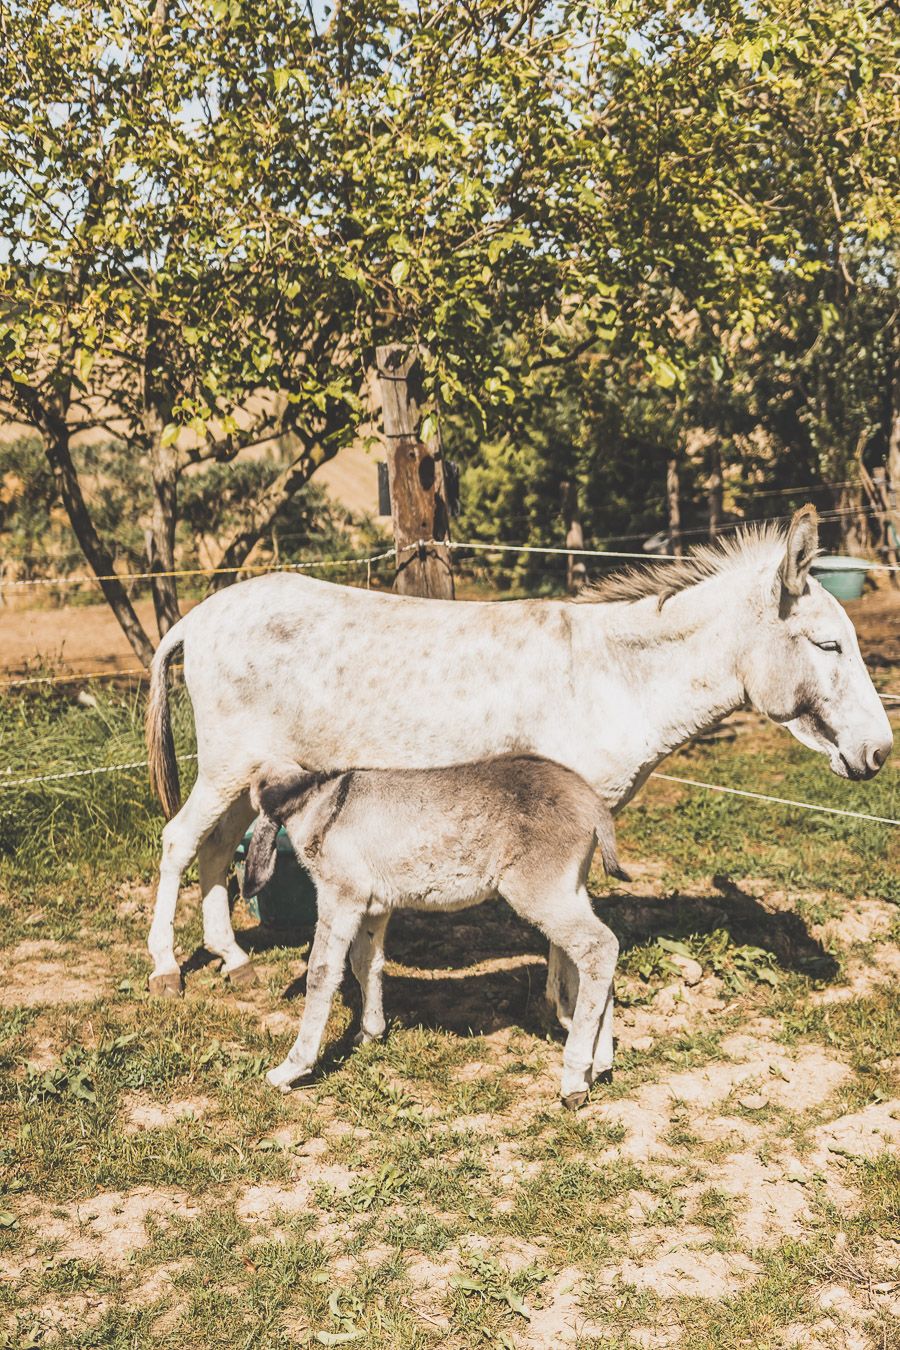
<point x="376" y="840"/>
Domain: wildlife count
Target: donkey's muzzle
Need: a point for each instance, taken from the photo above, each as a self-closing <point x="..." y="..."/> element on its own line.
<point x="872" y="757"/>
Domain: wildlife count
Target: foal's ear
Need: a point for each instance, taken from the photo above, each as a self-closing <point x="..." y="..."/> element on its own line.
<point x="802" y="547"/>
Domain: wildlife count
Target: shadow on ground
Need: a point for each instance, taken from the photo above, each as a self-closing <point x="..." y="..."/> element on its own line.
<point x="482" y="969"/>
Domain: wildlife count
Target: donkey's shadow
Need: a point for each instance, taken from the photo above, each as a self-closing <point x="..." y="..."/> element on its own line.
<point x="482" y="969"/>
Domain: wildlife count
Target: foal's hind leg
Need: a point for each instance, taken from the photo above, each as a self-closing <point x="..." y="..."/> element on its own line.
<point x="562" y="985"/>
<point x="181" y="838"/>
<point x="214" y="859"/>
<point x="603" y="1046"/>
<point x="367" y="961"/>
<point x="569" y="921"/>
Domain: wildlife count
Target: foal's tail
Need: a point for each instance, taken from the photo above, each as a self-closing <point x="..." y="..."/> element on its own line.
<point x="160" y="744"/>
<point x="606" y="841"/>
<point x="261" y="856"/>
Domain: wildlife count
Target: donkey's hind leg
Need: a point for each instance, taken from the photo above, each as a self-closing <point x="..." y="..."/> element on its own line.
<point x="367" y="961"/>
<point x="339" y="919"/>
<point x="214" y="859"/>
<point x="181" y="838"/>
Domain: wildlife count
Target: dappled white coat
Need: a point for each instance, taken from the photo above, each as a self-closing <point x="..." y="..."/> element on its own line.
<point x="285" y="666"/>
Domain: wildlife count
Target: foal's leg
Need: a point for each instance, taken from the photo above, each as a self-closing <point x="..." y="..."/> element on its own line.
<point x="570" y="922"/>
<point x="367" y="962"/>
<point x="603" y="1046"/>
<point x="562" y="985"/>
<point x="338" y="922"/>
<point x="181" y="838"/>
<point x="214" y="859"/>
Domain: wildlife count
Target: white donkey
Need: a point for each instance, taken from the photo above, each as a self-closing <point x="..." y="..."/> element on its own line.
<point x="377" y="840"/>
<point x="608" y="686"/>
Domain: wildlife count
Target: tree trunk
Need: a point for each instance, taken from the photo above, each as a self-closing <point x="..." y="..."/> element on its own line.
<point x="576" y="572"/>
<point x="854" y="523"/>
<point x="714" y="488"/>
<point x="673" y="502"/>
<point x="56" y="443"/>
<point x="416" y="478"/>
<point x="164" y="474"/>
<point x="260" y="515"/>
<point x="892" y="487"/>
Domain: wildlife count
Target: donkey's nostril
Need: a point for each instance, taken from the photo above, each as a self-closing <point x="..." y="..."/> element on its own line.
<point x="876" y="755"/>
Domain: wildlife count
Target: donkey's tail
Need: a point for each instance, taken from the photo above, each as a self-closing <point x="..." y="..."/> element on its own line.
<point x="606" y="841"/>
<point x="261" y="856"/>
<point x="160" y="743"/>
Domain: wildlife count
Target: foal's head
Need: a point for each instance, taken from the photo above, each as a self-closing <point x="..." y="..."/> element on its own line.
<point x="801" y="664"/>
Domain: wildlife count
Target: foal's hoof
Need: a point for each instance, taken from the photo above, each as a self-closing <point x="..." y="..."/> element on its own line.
<point x="603" y="1076"/>
<point x="574" y="1100"/>
<point x="165" y="986"/>
<point x="243" y="976"/>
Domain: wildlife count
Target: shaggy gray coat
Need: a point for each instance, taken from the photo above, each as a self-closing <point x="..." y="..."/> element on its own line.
<point x="377" y="840"/>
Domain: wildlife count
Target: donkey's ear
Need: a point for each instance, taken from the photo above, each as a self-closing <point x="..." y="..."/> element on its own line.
<point x="274" y="785"/>
<point x="802" y="547"/>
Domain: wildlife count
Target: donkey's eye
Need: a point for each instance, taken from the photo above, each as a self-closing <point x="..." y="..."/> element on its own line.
<point x="832" y="646"/>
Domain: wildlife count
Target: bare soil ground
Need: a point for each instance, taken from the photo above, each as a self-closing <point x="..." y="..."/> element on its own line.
<point x="432" y="1190"/>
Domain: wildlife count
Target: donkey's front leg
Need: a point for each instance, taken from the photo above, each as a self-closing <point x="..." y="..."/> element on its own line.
<point x="334" y="932"/>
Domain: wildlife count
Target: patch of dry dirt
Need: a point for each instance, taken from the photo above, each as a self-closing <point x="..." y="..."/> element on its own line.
<point x="682" y="1263"/>
<point x="33" y="973"/>
<point x="863" y="1134"/>
<point x="111" y="1226"/>
<point x="257" y="1204"/>
<point x="142" y="1113"/>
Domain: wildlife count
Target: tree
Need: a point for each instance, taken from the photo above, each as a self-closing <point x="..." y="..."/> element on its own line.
<point x="215" y="212"/>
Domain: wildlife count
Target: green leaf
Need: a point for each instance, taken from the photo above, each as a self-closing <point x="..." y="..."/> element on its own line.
<point x="670" y="945"/>
<point x="169" y="435"/>
<point x="280" y="79"/>
<point x="400" y="271"/>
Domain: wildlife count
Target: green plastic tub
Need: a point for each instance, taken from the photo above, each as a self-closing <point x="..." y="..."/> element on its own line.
<point x="289" y="899"/>
<point x="843" y="577"/>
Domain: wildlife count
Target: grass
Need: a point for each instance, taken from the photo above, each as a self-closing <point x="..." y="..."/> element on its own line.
<point x="429" y="1190"/>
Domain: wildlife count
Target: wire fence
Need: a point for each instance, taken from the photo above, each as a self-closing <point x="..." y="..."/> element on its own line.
<point x="367" y="560"/>
<point x="38" y="779"/>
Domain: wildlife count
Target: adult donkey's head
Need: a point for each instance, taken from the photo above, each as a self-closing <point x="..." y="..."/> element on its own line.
<point x="788" y="644"/>
<point x="801" y="665"/>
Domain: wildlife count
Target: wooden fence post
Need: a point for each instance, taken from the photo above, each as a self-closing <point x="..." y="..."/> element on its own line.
<point x="576" y="572"/>
<point x="416" y="478"/>
<point x="673" y="505"/>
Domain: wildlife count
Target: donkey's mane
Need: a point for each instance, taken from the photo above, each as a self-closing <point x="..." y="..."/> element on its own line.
<point x="665" y="579"/>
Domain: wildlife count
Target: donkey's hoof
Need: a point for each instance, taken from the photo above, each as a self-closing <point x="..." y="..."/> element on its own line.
<point x="242" y="976"/>
<point x="165" y="986"/>
<point x="574" y="1100"/>
<point x="286" y="1076"/>
<point x="369" y="1037"/>
<point x="603" y="1076"/>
